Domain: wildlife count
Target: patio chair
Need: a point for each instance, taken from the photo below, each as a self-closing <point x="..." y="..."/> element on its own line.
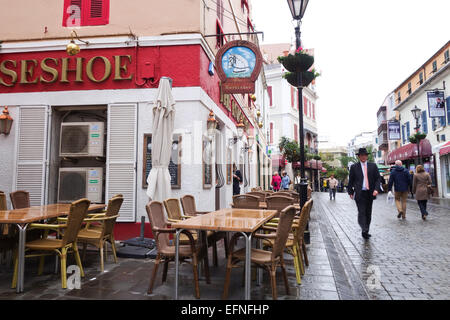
<point x="166" y="252"/>
<point x="269" y="260"/>
<point x="190" y="209"/>
<point x="256" y="189"/>
<point x="46" y="246"/>
<point x="8" y="234"/>
<point x="295" y="244"/>
<point x="102" y="232"/>
<point x="20" y="199"/>
<point x="261" y="195"/>
<point x="175" y="215"/>
<point x="245" y="201"/>
<point x="279" y="202"/>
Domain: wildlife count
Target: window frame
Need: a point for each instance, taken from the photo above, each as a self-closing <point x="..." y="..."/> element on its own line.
<point x="85" y="14"/>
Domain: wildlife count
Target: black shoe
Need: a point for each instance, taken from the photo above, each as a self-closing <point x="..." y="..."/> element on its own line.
<point x="399" y="215"/>
<point x="424" y="217"/>
<point x="365" y="235"/>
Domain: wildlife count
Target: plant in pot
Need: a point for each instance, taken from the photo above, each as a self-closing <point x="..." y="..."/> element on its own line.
<point x="307" y="78"/>
<point x="298" y="62"/>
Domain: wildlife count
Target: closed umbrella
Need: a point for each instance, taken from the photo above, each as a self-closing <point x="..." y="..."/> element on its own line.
<point x="163" y="122"/>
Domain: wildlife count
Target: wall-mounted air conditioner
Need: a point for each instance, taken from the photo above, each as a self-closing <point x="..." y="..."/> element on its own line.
<point x="82" y="139"/>
<point x="77" y="183"/>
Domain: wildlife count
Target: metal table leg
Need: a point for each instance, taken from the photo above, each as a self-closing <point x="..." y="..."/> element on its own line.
<point x="21" y="253"/>
<point x="248" y="250"/>
<point x="177" y="242"/>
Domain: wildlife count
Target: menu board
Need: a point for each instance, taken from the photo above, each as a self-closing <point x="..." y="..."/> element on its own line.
<point x="174" y="165"/>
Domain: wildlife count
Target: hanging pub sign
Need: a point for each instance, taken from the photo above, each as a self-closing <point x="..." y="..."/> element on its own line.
<point x="436" y="104"/>
<point x="238" y="65"/>
<point x="393" y="130"/>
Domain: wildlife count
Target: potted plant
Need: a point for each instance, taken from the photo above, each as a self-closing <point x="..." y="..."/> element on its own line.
<point x="298" y="62"/>
<point x="415" y="138"/>
<point x="307" y="77"/>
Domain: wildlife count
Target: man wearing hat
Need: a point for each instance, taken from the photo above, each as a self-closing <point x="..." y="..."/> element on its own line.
<point x="363" y="187"/>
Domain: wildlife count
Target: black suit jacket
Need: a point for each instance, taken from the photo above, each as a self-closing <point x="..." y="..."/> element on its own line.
<point x="356" y="178"/>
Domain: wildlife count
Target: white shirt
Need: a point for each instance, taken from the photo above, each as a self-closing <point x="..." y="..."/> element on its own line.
<point x="364" y="187"/>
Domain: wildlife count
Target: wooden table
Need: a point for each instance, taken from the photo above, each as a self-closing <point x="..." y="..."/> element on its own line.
<point x="244" y="221"/>
<point x="22" y="217"/>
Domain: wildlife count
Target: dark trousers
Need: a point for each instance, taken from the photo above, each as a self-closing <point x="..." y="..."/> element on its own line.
<point x="364" y="204"/>
<point x="423" y="206"/>
<point x="332" y="193"/>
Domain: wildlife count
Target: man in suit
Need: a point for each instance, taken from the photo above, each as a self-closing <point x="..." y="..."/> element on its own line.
<point x="363" y="187"/>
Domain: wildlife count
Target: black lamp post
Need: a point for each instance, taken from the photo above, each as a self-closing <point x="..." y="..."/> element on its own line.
<point x="298" y="8"/>
<point x="416" y="114"/>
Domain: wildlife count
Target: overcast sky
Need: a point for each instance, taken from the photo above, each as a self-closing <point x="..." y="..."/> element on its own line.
<point x="364" y="49"/>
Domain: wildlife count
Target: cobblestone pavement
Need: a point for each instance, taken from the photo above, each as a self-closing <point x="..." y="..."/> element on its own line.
<point x="407" y="259"/>
<point x="404" y="259"/>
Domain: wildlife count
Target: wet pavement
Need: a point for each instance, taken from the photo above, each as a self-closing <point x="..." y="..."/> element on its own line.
<point x="407" y="259"/>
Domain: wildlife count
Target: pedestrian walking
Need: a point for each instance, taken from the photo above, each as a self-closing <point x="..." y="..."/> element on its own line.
<point x="363" y="187"/>
<point x="411" y="175"/>
<point x="285" y="181"/>
<point x="422" y="189"/>
<point x="297" y="181"/>
<point x="401" y="180"/>
<point x="237" y="180"/>
<point x="333" y="183"/>
<point x="276" y="182"/>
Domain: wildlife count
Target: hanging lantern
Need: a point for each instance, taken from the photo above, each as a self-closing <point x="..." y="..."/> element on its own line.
<point x="211" y="124"/>
<point x="260" y="125"/>
<point x="258" y="113"/>
<point x="5" y="122"/>
<point x="240" y="129"/>
<point x="72" y="48"/>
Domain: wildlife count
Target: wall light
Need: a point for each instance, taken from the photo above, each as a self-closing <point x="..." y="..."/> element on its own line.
<point x="5" y="122"/>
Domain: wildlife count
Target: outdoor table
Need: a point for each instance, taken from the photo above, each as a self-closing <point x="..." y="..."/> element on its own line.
<point x="244" y="221"/>
<point x="22" y="217"/>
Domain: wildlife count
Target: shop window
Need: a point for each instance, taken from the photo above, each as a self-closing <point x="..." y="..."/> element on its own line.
<point x="80" y="13"/>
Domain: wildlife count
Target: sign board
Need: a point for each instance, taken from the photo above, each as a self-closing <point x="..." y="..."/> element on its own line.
<point x="436" y="104"/>
<point x="394" y="130"/>
<point x="238" y="65"/>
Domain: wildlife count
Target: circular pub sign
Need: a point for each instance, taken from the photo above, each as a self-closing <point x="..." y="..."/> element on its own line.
<point x="238" y="65"/>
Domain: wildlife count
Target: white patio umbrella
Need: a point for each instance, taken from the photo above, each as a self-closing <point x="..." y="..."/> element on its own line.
<point x="163" y="122"/>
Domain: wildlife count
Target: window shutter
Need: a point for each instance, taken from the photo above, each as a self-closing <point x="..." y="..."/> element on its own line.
<point x="31" y="156"/>
<point x="121" y="158"/>
<point x="424" y="122"/>
<point x="448" y="109"/>
<point x="97" y="12"/>
<point x="403" y="134"/>
<point x="269" y="91"/>
<point x="408" y="132"/>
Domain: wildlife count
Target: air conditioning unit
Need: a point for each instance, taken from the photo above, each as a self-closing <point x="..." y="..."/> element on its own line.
<point x="82" y="139"/>
<point x="77" y="183"/>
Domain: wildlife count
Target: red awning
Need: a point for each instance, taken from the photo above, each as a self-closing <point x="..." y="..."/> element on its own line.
<point x="445" y="149"/>
<point x="409" y="151"/>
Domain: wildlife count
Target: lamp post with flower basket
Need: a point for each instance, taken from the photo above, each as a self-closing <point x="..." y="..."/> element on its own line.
<point x="418" y="136"/>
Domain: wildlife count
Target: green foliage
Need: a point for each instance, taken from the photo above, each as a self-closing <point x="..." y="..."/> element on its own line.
<point x="415" y="138"/>
<point x="345" y="160"/>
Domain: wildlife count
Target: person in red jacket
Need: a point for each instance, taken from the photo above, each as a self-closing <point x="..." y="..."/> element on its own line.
<point x="276" y="182"/>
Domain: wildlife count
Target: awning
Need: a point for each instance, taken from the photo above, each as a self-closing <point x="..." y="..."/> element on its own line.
<point x="409" y="151"/>
<point x="445" y="149"/>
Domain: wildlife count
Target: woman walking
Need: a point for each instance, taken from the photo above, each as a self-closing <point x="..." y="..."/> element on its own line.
<point x="421" y="187"/>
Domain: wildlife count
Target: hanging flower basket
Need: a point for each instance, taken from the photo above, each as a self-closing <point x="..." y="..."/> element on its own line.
<point x="297" y="62"/>
<point x="415" y="138"/>
<point x="307" y="77"/>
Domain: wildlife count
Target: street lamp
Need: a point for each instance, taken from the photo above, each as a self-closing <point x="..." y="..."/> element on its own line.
<point x="416" y="114"/>
<point x="298" y="8"/>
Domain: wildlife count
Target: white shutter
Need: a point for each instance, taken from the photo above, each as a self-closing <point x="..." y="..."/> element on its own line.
<point x="121" y="158"/>
<point x="30" y="173"/>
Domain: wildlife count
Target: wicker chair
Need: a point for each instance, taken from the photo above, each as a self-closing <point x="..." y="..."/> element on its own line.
<point x="269" y="260"/>
<point x="245" y="201"/>
<point x="190" y="209"/>
<point x="295" y="244"/>
<point x="20" y="199"/>
<point x="45" y="246"/>
<point x="166" y="252"/>
<point x="102" y="231"/>
<point x="279" y="202"/>
<point x="260" y="194"/>
<point x="257" y="189"/>
<point x="8" y="235"/>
